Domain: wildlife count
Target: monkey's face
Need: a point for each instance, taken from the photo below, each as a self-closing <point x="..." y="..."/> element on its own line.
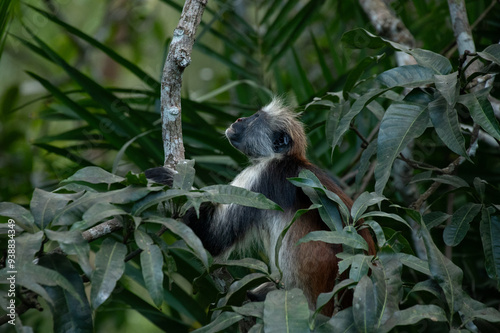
<point x="255" y="136"/>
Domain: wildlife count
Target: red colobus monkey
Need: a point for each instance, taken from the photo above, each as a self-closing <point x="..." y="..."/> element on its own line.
<point x="275" y="142"/>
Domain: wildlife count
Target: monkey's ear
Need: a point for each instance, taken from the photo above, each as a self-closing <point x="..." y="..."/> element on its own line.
<point x="282" y="142"/>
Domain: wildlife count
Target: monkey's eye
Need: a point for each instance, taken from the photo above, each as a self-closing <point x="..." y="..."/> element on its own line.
<point x="281" y="142"/>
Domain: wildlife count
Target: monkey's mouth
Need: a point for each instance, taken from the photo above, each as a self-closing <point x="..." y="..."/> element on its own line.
<point x="233" y="136"/>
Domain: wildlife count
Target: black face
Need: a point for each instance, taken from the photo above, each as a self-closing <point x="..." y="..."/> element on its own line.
<point x="254" y="136"/>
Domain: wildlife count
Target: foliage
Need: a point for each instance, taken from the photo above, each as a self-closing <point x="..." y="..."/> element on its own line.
<point x="157" y="267"/>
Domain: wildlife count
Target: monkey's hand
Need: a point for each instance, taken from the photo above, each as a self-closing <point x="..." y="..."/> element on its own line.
<point x="160" y="175"/>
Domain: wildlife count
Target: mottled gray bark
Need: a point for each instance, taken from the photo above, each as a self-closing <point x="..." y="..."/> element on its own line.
<point x="389" y="26"/>
<point x="178" y="58"/>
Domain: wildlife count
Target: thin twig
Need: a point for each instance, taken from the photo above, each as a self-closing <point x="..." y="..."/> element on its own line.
<point x="447" y="171"/>
<point x="358" y="133"/>
<point x="419" y="165"/>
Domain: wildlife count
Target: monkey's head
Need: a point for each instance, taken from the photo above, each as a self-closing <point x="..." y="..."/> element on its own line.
<point x="272" y="131"/>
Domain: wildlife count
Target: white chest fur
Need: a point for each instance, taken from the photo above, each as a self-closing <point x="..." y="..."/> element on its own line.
<point x="250" y="175"/>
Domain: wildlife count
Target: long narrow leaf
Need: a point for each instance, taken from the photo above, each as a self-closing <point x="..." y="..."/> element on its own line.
<point x="109" y="267"/>
<point x="146" y="78"/>
<point x="445" y="121"/>
<point x="113" y="105"/>
<point x="401" y="124"/>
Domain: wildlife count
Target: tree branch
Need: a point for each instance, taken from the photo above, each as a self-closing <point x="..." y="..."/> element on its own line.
<point x="178" y="58"/>
<point x="388" y="25"/>
<point x="463" y="33"/>
<point x="450" y="49"/>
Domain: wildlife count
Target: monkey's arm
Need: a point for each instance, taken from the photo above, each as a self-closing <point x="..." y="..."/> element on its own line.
<point x="217" y="226"/>
<point x="160" y="175"/>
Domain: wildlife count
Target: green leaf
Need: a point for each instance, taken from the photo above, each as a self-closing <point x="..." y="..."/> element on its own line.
<point x="109" y="52"/>
<point x="142" y="239"/>
<point x="448" y="86"/>
<point x="324" y="298"/>
<point x="19" y="214"/>
<point x="490" y="237"/>
<point x="413" y="315"/>
<point x="178" y="300"/>
<point x="45" y="205"/>
<point x="66" y="153"/>
<point x="452" y="180"/>
<point x="365" y="306"/>
<point x="359" y="264"/>
<point x="286" y="311"/>
<point x="151" y="264"/>
<point x="293" y="29"/>
<point x="384" y="214"/>
<point x="96" y="213"/>
<point x="438" y="63"/>
<point x="378" y="231"/>
<point x="70" y="315"/>
<point x="343" y="321"/>
<point x="481" y="111"/>
<point x="319" y="195"/>
<point x="237" y="292"/>
<point x="354" y="75"/>
<point x="125" y="300"/>
<point x="250" y="263"/>
<point x="455" y="232"/>
<point x="75" y="210"/>
<point x="491" y="53"/>
<point x="364" y="162"/>
<point x="109" y="267"/>
<point x="92" y="120"/>
<point x="336" y="112"/>
<point x="396" y="242"/>
<point x="443" y="271"/>
<point x="27" y="246"/>
<point x="388" y="286"/>
<point x="364" y="201"/>
<point x="153" y="199"/>
<point x="409" y="76"/>
<point x="434" y="219"/>
<point x="445" y="121"/>
<point x="472" y="310"/>
<point x="251" y="309"/>
<point x="480" y="187"/>
<point x="72" y="242"/>
<point x="282" y="235"/>
<point x="184" y="178"/>
<point x="401" y="124"/>
<point x="32" y="276"/>
<point x="355" y="109"/>
<point x="223" y="321"/>
<point x="93" y="175"/>
<point x="186" y="233"/>
<point x="320" y="54"/>
<point x="415" y="263"/>
<point x="336" y="237"/>
<point x="228" y="194"/>
<point x="361" y="39"/>
<point x="429" y="286"/>
<point x="115" y="107"/>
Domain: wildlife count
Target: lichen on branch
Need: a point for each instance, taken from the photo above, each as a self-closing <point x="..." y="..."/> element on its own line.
<point x="178" y="58"/>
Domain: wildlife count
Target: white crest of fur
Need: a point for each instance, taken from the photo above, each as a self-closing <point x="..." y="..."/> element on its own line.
<point x="277" y="108"/>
